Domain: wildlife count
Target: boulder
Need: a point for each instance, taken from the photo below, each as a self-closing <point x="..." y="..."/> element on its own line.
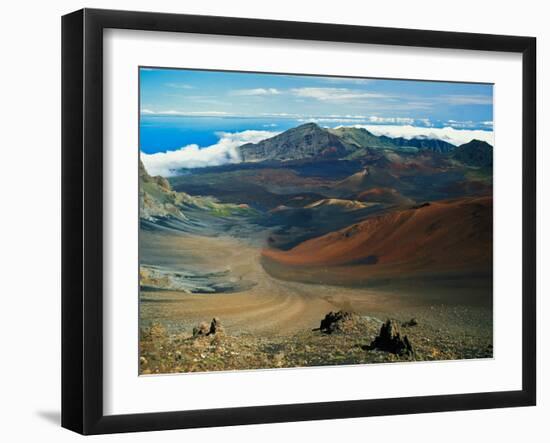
<point x="203" y="329"/>
<point x="408" y="324"/>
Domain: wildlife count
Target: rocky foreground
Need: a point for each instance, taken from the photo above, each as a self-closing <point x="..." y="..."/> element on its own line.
<point x="342" y="338"/>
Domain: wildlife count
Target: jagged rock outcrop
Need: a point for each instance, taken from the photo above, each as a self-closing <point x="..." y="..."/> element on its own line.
<point x="390" y="340"/>
<point x="215" y="326"/>
<point x="336" y="322"/>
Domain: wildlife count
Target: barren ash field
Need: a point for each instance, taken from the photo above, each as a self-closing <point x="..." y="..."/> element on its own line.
<point x="319" y="247"/>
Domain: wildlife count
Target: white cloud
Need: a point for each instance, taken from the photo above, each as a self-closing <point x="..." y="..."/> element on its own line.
<point x="398" y="120"/>
<point x="321" y="120"/>
<point x="347" y="80"/>
<point x="464" y="124"/>
<point x="147" y="111"/>
<point x="279" y="114"/>
<point x="334" y="94"/>
<point x="256" y="91"/>
<point x="180" y="85"/>
<point x="448" y="134"/>
<point x="362" y="119"/>
<point x="192" y="156"/>
<point x="467" y="99"/>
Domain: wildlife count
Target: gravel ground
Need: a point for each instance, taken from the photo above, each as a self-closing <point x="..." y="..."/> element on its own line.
<point x="442" y="333"/>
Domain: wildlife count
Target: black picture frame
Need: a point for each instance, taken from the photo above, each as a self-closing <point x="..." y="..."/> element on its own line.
<point x="82" y="218"/>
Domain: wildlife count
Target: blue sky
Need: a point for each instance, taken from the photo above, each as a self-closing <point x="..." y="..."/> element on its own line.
<point x="325" y="99"/>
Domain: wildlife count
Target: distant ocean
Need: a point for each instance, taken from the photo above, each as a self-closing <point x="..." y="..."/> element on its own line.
<point x="166" y="133"/>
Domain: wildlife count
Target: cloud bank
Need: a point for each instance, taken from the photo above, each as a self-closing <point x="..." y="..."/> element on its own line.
<point x="192" y="156"/>
<point x="448" y="134"/>
<point x="172" y="112"/>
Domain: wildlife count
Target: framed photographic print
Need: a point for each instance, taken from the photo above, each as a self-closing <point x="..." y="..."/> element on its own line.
<point x="269" y="221"/>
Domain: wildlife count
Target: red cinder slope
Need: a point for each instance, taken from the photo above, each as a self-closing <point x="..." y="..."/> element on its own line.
<point x="448" y="235"/>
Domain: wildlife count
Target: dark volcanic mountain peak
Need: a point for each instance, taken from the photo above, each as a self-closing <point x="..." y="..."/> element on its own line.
<point x="304" y="141"/>
<point x="422" y="142"/>
<point x="312" y="142"/>
<point x="477" y="142"/>
<point x="351" y="130"/>
<point x="310" y="125"/>
<point x="362" y="138"/>
<point x="475" y="153"/>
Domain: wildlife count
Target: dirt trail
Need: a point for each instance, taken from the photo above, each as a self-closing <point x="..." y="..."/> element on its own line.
<point x="272" y="307"/>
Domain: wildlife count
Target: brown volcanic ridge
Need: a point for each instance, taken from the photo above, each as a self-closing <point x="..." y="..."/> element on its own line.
<point x="385" y="195"/>
<point x="444" y="237"/>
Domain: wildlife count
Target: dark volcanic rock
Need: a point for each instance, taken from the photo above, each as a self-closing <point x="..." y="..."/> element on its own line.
<point x="408" y="324"/>
<point x="215" y="326"/>
<point x="302" y="142"/>
<point x="390" y="340"/>
<point x="335" y="322"/>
